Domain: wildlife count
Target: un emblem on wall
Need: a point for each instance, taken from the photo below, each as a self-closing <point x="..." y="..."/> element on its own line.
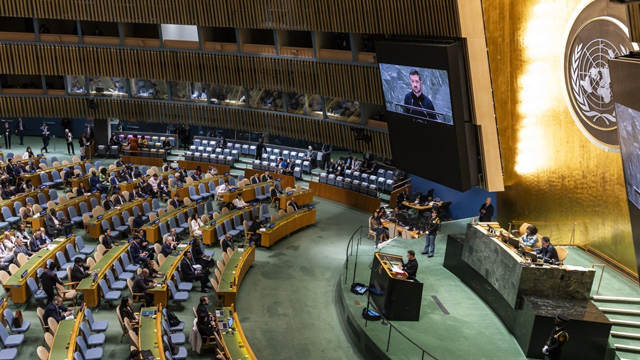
<point x="592" y="41"/>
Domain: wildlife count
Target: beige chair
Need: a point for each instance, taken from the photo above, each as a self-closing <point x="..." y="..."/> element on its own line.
<point x="53" y="325"/>
<point x="186" y="201"/>
<point x="135" y="297"/>
<point x="67" y="294"/>
<point x="157" y="247"/>
<point x="288" y="189"/>
<point x="282" y="212"/>
<point x="290" y="210"/>
<point x="562" y="253"/>
<point x="48" y="339"/>
<point x="161" y="212"/>
<point x="71" y="195"/>
<point x="205" y="219"/>
<point x="97" y="211"/>
<point x="42" y="166"/>
<point x="85" y="219"/>
<point x="98" y="255"/>
<point x="214" y="283"/>
<point x="125" y="331"/>
<point x="150" y="172"/>
<point x="170" y="208"/>
<point x="216" y="215"/>
<point x="13" y="268"/>
<point x="62" y="199"/>
<point x="225" y="210"/>
<point x="225" y="258"/>
<point x="91" y="263"/>
<point x="40" y="312"/>
<point x="133" y="339"/>
<point x="70" y="284"/>
<point x="208" y="176"/>
<point x="55" y="164"/>
<point x="51" y="204"/>
<point x="22" y="259"/>
<point x="75" y="159"/>
<point x="189" y="180"/>
<point x="125" y="194"/>
<point x="153" y="217"/>
<point x="65" y="162"/>
<point x="371" y="232"/>
<point x="37" y="209"/>
<point x="112" y="166"/>
<point x="273" y="217"/>
<point x="43" y="354"/>
<point x="161" y="259"/>
<point x="298" y="187"/>
<point x="218" y="275"/>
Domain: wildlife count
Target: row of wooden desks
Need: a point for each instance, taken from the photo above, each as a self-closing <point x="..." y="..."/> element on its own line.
<point x="37" y="221"/>
<point x="345" y="196"/>
<point x="35" y="176"/>
<point x="235" y="343"/>
<point x="183" y="191"/>
<point x="233" y="273"/>
<point x="64" y="341"/>
<point x="152" y="229"/>
<point x="22" y="198"/>
<point x="302" y="197"/>
<point x="210" y="235"/>
<point x="286" y="224"/>
<point x="20" y="160"/>
<point x="171" y="263"/>
<point x="131" y="184"/>
<point x="94" y="225"/>
<point x="16" y="285"/>
<point x="89" y="285"/>
<point x="150" y="332"/>
<point x="248" y="192"/>
<point x="204" y="166"/>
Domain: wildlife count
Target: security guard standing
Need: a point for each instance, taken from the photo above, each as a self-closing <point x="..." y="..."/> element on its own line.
<point x="558" y="337"/>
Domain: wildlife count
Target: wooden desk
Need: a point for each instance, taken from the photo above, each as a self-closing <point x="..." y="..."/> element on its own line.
<point x="152" y="229"/>
<point x="94" y="226"/>
<point x="303" y="197"/>
<point x="35" y="159"/>
<point x="420" y="207"/>
<point x="209" y="233"/>
<point x="64" y="341"/>
<point x="248" y="192"/>
<point x="285" y="225"/>
<point x="38" y="222"/>
<point x="402" y="231"/>
<point x="345" y="196"/>
<point x="235" y="344"/>
<point x="16" y="285"/>
<point x="144" y="160"/>
<point x="150" y="332"/>
<point x="183" y="191"/>
<point x="35" y="176"/>
<point x="88" y="287"/>
<point x="285" y="180"/>
<point x="171" y="264"/>
<point x="234" y="272"/>
<point x="76" y="181"/>
<point x="204" y="166"/>
<point x="129" y="185"/>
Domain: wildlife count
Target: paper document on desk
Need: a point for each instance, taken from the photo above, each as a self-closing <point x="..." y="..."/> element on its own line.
<point x="575" y="268"/>
<point x="262" y="229"/>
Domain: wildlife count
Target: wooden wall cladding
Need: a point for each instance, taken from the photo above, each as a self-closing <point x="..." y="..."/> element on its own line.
<point x="348" y="81"/>
<point x="406" y="17"/>
<point x="634" y="22"/>
<point x="281" y="124"/>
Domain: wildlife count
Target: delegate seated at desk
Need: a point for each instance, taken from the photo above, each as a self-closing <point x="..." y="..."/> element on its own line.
<point x="411" y="266"/>
<point x="531" y="237"/>
<point x="57" y="311"/>
<point x="547" y="251"/>
<point x="79" y="270"/>
<point x="141" y="284"/>
<point x="239" y="202"/>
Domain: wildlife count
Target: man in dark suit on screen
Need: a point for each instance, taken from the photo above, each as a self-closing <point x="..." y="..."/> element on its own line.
<point x="416" y="99"/>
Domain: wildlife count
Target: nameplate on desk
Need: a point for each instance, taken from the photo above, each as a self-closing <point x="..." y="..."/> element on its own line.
<point x="278" y="179"/>
<point x="272" y="225"/>
<point x="157" y="221"/>
<point x="24" y="274"/>
<point x="290" y="192"/>
<point x="226" y="174"/>
<point x="130" y="240"/>
<point x="311" y="207"/>
<point x="42" y="187"/>
<point x="100" y="216"/>
<point x="191" y="242"/>
<point x="213" y="223"/>
<point x="199" y="201"/>
<point x="94" y="191"/>
<point x="1" y="301"/>
<point x="43" y="212"/>
<point x="95" y="278"/>
<point x="233" y="189"/>
<point x="70" y="235"/>
<point x="32" y="171"/>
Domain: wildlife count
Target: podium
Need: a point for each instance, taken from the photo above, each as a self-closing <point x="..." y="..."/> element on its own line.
<point x="393" y="295"/>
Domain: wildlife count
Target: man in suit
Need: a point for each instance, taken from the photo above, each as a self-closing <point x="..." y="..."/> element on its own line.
<point x="9" y="170"/>
<point x="20" y="130"/>
<point x="57" y="311"/>
<point x="141" y="284"/>
<point x="203" y="309"/>
<point x="107" y="240"/>
<point x="7" y="135"/>
<point x="44" y="130"/>
<point x="266" y="176"/>
<point x="175" y="202"/>
<point x="79" y="270"/>
<point x="260" y="149"/>
<point x="255" y="179"/>
<point x="227" y="243"/>
<point x="486" y="211"/>
<point x="48" y="280"/>
<point x="137" y="255"/>
<point x="119" y="200"/>
<point x="137" y="173"/>
<point x="169" y="243"/>
<point x="293" y="204"/>
<point x="326" y="155"/>
<point x="114" y="182"/>
<point x="21" y="248"/>
<point x="547" y="251"/>
<point x="190" y="274"/>
<point x="107" y="204"/>
<point x="53" y="225"/>
<point x="119" y="162"/>
<point x="253" y="230"/>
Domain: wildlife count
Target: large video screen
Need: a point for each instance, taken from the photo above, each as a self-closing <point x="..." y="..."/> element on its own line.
<point x="427" y="103"/>
<point x="629" y="132"/>
<point x="421" y="93"/>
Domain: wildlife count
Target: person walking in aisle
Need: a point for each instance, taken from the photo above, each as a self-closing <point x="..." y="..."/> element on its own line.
<point x="69" y="137"/>
<point x="45" y="137"/>
<point x="20" y="131"/>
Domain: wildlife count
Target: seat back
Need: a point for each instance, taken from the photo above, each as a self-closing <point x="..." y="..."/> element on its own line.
<point x="116" y="221"/>
<point x="103" y="287"/>
<point x="562" y="253"/>
<point x="44" y="177"/>
<point x="110" y="277"/>
<point x="84" y="209"/>
<point x="42" y="200"/>
<point x="82" y="345"/>
<point x="73" y="213"/>
<point x="117" y="268"/>
<point x="202" y="189"/>
<point x="31" y="283"/>
<point x="172" y="288"/>
<point x="105" y="225"/>
<point x="192" y="191"/>
<point x="6" y="213"/>
<point x="61" y="258"/>
<point x="70" y="251"/>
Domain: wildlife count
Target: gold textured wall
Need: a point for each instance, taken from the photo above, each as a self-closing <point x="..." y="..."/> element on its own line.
<point x="554" y="176"/>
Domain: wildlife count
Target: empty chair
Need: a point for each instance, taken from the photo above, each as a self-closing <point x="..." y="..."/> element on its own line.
<point x="177" y="296"/>
<point x="182" y="286"/>
<point x="147" y="209"/>
<point x="8" y="317"/>
<point x="237" y="222"/>
<point x="113" y="283"/>
<point x="230" y="229"/>
<point x="10" y="341"/>
<point x="182" y="222"/>
<point x="339" y="181"/>
<point x="306" y="166"/>
<point x="44" y="178"/>
<point x="106" y="226"/>
<point x="331" y="180"/>
<point x="174" y="225"/>
<point x="388" y="175"/>
<point x="219" y="231"/>
<point x="128" y="266"/>
<point x="177" y="338"/>
<point x="108" y="295"/>
<point x="42" y="201"/>
<point x="11" y="354"/>
<point x="259" y="195"/>
<point x="88" y="354"/>
<point x="73" y="216"/>
<point x="94" y="203"/>
<point x="55" y="176"/>
<point x="84" y="209"/>
<point x="202" y="189"/>
<point x="36" y="292"/>
<point x="71" y="251"/>
<point x="264" y="211"/>
<point x="8" y="217"/>
<point x="93" y="340"/>
<point x="120" y="273"/>
<point x="62" y="260"/>
<point x="163" y="229"/>
<point x="53" y="196"/>
<point x="182" y="351"/>
<point x="117" y="225"/>
<point x="323" y="178"/>
<point x="95" y="326"/>
<point x="155" y="204"/>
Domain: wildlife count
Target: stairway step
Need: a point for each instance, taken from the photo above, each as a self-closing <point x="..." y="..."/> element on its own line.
<point x="625" y="323"/>
<point x="619" y="311"/>
<point x="627" y="348"/>
<point x="626" y="335"/>
<point x="616" y="299"/>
